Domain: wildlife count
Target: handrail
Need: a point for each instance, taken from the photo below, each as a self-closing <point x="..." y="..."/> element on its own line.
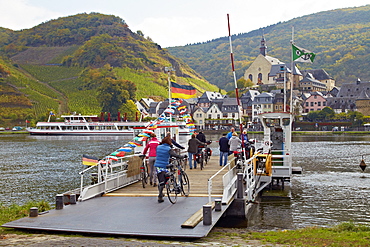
<point x="212" y="177"/>
<point x="82" y="176"/>
<point x="249" y="176"/>
<point x="105" y="170"/>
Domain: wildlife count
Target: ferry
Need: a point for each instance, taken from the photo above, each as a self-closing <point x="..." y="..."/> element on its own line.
<point x="90" y="125"/>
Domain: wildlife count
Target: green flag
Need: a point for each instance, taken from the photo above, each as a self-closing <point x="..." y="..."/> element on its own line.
<point x="302" y="55"/>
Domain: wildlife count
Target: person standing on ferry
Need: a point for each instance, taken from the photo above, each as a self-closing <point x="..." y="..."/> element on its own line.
<point x="193" y="145"/>
<point x="152" y="147"/>
<point x="224" y="149"/>
<point x="230" y="134"/>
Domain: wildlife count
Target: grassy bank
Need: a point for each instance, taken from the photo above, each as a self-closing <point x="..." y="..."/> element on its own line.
<point x="14" y="212"/>
<point x="345" y="234"/>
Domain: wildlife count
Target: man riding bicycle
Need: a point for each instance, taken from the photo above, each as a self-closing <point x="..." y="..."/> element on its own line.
<point x="164" y="152"/>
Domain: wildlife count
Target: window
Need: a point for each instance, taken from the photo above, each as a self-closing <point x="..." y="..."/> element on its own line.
<point x="311" y="103"/>
<point x="260" y="77"/>
<point x="250" y="77"/>
<point x="209" y="116"/>
<point x="318" y="103"/>
<point x="218" y="116"/>
<point x="324" y="103"/>
<point x="306" y="103"/>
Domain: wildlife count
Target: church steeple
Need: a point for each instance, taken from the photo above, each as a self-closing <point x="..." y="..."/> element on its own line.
<point x="263" y="47"/>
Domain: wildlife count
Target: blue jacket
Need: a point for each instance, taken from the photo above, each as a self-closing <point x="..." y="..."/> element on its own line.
<point x="164" y="152"/>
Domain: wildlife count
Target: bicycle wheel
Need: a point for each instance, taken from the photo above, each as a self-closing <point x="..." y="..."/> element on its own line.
<point x="185" y="184"/>
<point x="144" y="174"/>
<point x="171" y="190"/>
<point x="183" y="163"/>
<point x="205" y="155"/>
<point x="201" y="161"/>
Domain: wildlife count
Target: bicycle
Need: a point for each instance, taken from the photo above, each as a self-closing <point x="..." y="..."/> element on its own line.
<point x="178" y="181"/>
<point x="199" y="158"/>
<point x="207" y="152"/>
<point x="144" y="174"/>
<point x="202" y="157"/>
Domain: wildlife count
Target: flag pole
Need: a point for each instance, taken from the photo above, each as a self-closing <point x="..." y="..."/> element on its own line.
<point x="291" y="83"/>
<point x="168" y="70"/>
<point x="236" y="84"/>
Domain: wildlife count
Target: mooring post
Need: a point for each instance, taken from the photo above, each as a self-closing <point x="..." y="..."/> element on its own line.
<point x="59" y="201"/>
<point x="207" y="215"/>
<point x="218" y="204"/>
<point x="72" y="199"/>
<point x="239" y="186"/>
<point x="34" y="212"/>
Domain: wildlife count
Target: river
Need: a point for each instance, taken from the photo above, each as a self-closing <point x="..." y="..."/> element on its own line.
<point x="331" y="189"/>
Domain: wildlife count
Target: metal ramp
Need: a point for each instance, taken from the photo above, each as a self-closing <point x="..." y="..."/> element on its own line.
<point x="128" y="216"/>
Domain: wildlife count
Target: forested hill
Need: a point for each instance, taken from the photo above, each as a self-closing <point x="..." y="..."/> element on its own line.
<point x="340" y="38"/>
<point x="86" y="63"/>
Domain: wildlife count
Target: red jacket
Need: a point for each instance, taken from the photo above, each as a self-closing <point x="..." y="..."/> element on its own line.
<point x="152" y="146"/>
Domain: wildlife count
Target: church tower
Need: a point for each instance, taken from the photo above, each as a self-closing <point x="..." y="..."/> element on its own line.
<point x="263" y="47"/>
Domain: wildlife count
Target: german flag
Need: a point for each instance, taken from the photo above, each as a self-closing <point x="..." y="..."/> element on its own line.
<point x="89" y="160"/>
<point x="182" y="91"/>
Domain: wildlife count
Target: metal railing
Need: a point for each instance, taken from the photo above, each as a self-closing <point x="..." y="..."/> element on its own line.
<point x="229" y="179"/>
<point x="110" y="176"/>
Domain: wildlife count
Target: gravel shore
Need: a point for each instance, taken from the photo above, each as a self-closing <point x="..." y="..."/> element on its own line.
<point x="59" y="240"/>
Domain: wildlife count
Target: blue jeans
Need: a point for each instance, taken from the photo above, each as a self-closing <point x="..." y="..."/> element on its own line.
<point x="223" y="155"/>
<point x="190" y="156"/>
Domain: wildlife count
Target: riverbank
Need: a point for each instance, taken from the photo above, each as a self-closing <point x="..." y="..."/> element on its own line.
<point x="297" y="133"/>
<point x="345" y="234"/>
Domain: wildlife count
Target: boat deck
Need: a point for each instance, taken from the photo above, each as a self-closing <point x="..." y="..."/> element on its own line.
<point x="134" y="211"/>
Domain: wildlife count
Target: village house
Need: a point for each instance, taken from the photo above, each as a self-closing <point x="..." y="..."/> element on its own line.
<point x="315" y="102"/>
<point x="347" y="96"/>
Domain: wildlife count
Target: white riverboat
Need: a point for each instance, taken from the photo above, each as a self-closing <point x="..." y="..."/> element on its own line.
<point x="90" y="125"/>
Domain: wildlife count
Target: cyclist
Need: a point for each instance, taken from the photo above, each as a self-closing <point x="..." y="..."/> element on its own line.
<point x="164" y="152"/>
<point x="174" y="142"/>
<point x="193" y="145"/>
<point x="152" y="147"/>
<point x="201" y="137"/>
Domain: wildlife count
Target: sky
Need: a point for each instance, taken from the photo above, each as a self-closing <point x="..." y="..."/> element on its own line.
<point x="172" y="22"/>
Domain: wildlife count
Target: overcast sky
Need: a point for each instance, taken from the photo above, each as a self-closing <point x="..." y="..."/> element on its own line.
<point x="172" y="22"/>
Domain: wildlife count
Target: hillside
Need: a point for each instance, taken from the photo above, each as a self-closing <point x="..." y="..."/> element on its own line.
<point x="68" y="65"/>
<point x="340" y="38"/>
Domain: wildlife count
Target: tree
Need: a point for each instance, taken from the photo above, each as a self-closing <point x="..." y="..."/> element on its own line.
<point x="357" y="118"/>
<point x="327" y="113"/>
<point x="113" y="93"/>
<point x="130" y="109"/>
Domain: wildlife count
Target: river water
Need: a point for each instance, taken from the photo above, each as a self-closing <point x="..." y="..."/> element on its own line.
<point x="332" y="188"/>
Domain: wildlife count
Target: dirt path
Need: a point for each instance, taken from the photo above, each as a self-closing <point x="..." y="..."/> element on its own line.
<point x="226" y="239"/>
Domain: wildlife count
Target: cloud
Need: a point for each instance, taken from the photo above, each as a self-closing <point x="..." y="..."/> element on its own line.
<point x="172" y="31"/>
<point x="19" y="14"/>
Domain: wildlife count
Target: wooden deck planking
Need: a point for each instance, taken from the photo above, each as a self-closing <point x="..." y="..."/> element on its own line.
<point x="198" y="182"/>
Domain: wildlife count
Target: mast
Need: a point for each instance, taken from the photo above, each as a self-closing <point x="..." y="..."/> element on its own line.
<point x="236" y="85"/>
<point x="291" y="83"/>
<point x="168" y="70"/>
